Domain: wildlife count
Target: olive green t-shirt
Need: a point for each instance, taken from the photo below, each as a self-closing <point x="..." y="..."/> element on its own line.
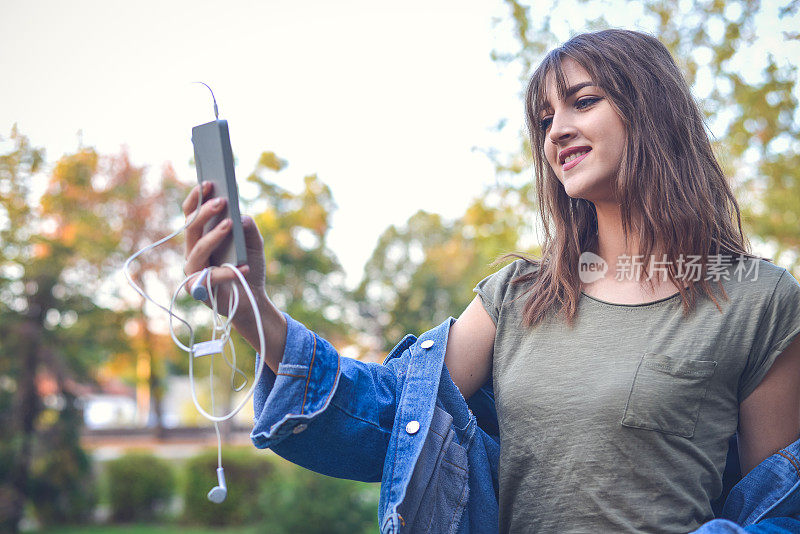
<point x="621" y="423"/>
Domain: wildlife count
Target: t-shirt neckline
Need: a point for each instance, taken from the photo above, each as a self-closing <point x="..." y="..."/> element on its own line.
<point x="639" y="305"/>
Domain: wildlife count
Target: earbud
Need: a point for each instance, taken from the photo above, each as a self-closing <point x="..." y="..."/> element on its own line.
<point x="199" y="291"/>
<point x="218" y="493"/>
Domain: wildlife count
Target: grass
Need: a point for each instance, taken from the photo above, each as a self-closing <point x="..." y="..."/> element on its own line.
<point x="148" y="529"/>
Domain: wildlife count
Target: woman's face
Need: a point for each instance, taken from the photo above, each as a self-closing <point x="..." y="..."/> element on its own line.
<point x="584" y="138"/>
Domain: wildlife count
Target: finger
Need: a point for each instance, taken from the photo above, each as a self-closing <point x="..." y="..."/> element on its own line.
<point x="215" y="277"/>
<point x="190" y="204"/>
<point x="252" y="237"/>
<point x="198" y="255"/>
<point x="221" y="275"/>
<point x="195" y="230"/>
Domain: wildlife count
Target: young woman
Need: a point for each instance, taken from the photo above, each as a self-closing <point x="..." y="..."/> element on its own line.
<point x="617" y="389"/>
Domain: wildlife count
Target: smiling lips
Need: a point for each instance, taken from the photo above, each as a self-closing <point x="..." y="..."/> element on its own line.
<point x="570" y="157"/>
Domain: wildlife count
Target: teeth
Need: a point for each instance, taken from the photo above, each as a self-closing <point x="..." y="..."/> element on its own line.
<point x="575" y="155"/>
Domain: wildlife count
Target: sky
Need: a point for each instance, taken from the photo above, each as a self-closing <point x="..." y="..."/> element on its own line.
<point x="385" y="102"/>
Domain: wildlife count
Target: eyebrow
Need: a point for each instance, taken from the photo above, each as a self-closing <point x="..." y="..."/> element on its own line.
<point x="571" y="91"/>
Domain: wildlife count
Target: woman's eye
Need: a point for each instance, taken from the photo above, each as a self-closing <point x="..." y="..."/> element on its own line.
<point x="545" y="123"/>
<point x="586" y="102"/>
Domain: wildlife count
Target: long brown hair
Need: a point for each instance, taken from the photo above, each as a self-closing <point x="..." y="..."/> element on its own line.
<point x="671" y="190"/>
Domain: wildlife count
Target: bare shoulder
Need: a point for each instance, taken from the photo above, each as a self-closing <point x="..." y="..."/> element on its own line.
<point x="470" y="346"/>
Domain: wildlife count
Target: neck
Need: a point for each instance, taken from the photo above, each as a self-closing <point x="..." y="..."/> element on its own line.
<point x="611" y="244"/>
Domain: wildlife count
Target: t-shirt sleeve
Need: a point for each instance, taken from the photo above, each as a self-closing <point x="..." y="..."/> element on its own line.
<point x="779" y="325"/>
<point x="492" y="289"/>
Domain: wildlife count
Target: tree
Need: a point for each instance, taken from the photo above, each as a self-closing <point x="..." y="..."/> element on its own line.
<point x="57" y="254"/>
<point x="53" y="257"/>
<point x="140" y="213"/>
<point x="304" y="277"/>
<point x="18" y="398"/>
<point x="422" y="273"/>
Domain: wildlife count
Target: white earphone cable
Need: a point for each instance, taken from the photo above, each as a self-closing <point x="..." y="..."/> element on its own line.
<point x="223" y="327"/>
<point x="226" y="338"/>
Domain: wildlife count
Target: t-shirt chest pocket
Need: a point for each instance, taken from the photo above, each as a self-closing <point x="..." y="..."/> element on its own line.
<point x="667" y="393"/>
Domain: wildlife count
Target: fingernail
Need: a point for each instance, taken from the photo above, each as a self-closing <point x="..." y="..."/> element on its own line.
<point x="219" y="202"/>
<point x="225" y="224"/>
<point x="206" y="186"/>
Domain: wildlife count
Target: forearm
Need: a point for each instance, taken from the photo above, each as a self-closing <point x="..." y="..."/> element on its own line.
<point x="274" y="325"/>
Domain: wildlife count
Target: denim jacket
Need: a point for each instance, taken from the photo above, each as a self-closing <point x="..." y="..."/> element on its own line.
<point x="405" y="424"/>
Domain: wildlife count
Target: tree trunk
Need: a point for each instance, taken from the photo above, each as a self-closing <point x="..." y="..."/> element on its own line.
<point x="155" y="410"/>
<point x="23" y="418"/>
<point x="156" y="405"/>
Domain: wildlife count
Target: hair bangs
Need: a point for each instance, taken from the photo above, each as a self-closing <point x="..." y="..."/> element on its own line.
<point x="537" y="100"/>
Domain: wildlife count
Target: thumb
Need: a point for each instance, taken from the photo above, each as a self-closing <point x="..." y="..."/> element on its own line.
<point x="252" y="237"/>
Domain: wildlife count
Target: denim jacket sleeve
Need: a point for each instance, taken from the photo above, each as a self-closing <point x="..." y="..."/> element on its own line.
<point x="766" y="500"/>
<point x="327" y="413"/>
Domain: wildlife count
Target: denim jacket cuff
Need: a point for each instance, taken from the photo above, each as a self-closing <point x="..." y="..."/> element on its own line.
<point x="307" y="377"/>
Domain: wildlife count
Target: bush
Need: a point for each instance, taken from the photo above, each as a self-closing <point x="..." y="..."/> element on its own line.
<point x="245" y="472"/>
<point x="62" y="485"/>
<point x="140" y="486"/>
<point x="63" y="488"/>
<point x="304" y="502"/>
<point x="279" y="496"/>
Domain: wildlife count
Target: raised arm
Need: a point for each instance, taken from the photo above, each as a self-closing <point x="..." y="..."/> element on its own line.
<point x="330" y="414"/>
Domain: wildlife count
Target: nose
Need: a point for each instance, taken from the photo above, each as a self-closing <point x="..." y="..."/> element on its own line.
<point x="561" y="129"/>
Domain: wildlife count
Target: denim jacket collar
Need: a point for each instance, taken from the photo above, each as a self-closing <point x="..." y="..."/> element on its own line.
<point x="423" y="360"/>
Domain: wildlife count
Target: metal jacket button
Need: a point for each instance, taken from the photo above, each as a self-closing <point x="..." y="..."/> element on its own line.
<point x="428" y="343"/>
<point x="412" y="427"/>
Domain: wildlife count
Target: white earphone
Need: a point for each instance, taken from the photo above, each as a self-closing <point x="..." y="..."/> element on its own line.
<point x="198" y="290"/>
<point x="220" y="491"/>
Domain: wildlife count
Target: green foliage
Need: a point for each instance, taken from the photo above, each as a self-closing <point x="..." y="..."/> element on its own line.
<point x="280" y="497"/>
<point x="55" y="253"/>
<point x="424" y="272"/>
<point x="304" y="502"/>
<point x="63" y="488"/>
<point x="246" y="471"/>
<point x="17" y="167"/>
<point x="140" y="486"/>
<point x="304" y="277"/>
<point x="149" y="529"/>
